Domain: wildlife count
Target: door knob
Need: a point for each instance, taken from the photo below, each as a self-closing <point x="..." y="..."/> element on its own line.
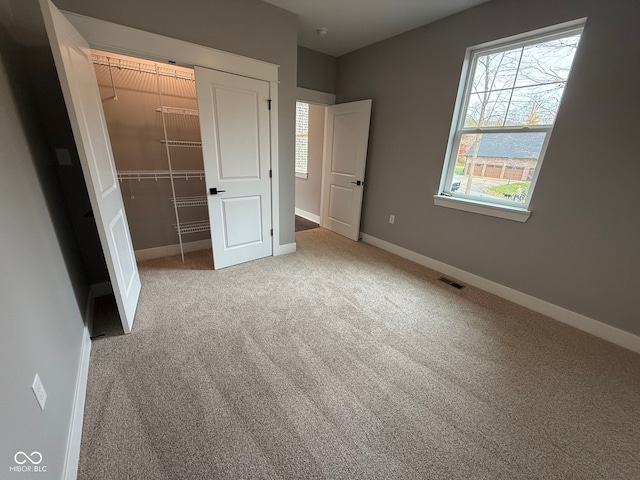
<point x="215" y="191"/>
<point x="358" y="182"/>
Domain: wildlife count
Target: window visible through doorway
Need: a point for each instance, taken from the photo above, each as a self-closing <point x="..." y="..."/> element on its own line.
<point x="512" y="93"/>
<point x="302" y="138"/>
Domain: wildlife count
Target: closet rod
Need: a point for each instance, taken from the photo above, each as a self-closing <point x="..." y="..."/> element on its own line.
<point x="143" y="67"/>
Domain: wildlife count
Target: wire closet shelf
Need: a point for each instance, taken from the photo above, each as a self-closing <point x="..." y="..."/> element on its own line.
<point x="142" y="67"/>
<point x="160" y="174"/>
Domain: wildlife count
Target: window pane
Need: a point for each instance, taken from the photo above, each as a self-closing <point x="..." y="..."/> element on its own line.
<point x="302" y="136"/>
<point x="494" y="77"/>
<point x="496" y="71"/>
<point x="522" y="86"/>
<point x="488" y="109"/>
<point x="536" y="105"/>
<point x="497" y="165"/>
<point x="547" y="62"/>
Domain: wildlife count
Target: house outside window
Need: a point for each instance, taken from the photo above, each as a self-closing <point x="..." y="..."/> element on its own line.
<point x="511" y="93"/>
<point x="302" y="138"/>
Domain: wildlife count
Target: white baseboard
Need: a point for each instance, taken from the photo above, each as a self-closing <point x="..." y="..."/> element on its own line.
<point x="168" y="250"/>
<point x="284" y="249"/>
<point x="72" y="459"/>
<point x="594" y="327"/>
<point x="309" y="216"/>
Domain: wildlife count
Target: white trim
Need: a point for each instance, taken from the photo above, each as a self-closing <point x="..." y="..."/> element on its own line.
<point x="531" y="37"/>
<point x="594" y="327"/>
<point x="314" y="96"/>
<point x="138" y="43"/>
<point x="491" y="209"/>
<point x="72" y="457"/>
<point x="284" y="249"/>
<point x="275" y="169"/>
<point x="304" y="175"/>
<point x="309" y="216"/>
<point x="168" y="250"/>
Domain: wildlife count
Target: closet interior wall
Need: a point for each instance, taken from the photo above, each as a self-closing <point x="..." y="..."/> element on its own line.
<point x="151" y="114"/>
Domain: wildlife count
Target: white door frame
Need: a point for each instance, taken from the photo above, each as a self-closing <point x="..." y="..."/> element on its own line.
<point x="116" y="38"/>
<point x="321" y="99"/>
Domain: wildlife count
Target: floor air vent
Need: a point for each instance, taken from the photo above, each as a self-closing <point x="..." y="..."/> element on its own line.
<point x="451" y="282"/>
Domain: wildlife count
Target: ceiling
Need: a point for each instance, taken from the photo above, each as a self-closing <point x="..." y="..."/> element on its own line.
<point x="353" y="24"/>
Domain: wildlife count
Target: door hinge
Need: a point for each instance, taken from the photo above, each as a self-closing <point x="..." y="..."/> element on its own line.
<point x="269" y="102"/>
<point x="272" y="232"/>
<point x="270" y="173"/>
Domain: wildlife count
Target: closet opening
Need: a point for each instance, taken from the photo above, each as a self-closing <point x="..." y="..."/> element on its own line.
<point x="151" y="111"/>
<point x="237" y="169"/>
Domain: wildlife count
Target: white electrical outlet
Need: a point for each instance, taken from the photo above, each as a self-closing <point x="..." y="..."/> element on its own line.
<point x="392" y="219"/>
<point x="39" y="391"/>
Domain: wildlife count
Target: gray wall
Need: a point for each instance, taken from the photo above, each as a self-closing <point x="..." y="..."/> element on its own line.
<point x="316" y="70"/>
<point x="249" y="27"/>
<point x="43" y="287"/>
<point x="308" y="189"/>
<point x="581" y="247"/>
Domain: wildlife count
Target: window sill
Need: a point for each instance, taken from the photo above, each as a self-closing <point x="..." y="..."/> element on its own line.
<point x="301" y="175"/>
<point x="500" y="211"/>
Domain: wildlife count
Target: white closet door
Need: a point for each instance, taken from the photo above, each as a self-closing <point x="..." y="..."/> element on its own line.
<point x="234" y="124"/>
<point x="80" y="88"/>
<point x="346" y="135"/>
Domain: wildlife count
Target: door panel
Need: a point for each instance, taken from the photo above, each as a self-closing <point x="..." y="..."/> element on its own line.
<point x="345" y="150"/>
<point x="126" y="264"/>
<point x="98" y="144"/>
<point x="239" y="154"/>
<point x="234" y="118"/>
<point x="340" y="200"/>
<point x="242" y="221"/>
<point x="82" y="98"/>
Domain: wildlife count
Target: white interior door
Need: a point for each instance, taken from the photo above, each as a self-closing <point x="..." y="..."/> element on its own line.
<point x="234" y="123"/>
<point x="346" y="136"/>
<point x="80" y="88"/>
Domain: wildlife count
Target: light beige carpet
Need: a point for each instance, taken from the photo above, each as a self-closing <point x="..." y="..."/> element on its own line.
<point x="344" y="361"/>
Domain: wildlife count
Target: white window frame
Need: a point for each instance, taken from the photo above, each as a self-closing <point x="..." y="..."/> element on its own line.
<point x="502" y="208"/>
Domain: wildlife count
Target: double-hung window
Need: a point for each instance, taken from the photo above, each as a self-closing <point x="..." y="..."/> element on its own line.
<point x="511" y="93"/>
<point x="302" y="138"/>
